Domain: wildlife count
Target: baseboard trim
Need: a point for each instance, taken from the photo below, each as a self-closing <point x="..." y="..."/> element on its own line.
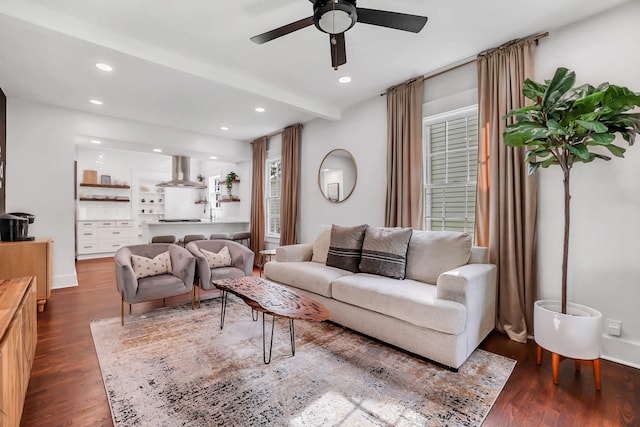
<point x="64" y="281"/>
<point x="621" y="351"/>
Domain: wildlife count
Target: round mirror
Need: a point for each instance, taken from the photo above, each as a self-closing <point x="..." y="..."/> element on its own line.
<point x="337" y="175"/>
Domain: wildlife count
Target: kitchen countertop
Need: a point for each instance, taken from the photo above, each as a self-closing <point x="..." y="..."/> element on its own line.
<point x="202" y="222"/>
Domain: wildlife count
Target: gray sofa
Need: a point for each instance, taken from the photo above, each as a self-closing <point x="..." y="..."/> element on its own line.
<point x="442" y="310"/>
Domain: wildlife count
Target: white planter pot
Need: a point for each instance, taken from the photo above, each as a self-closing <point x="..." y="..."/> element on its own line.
<point x="577" y="334"/>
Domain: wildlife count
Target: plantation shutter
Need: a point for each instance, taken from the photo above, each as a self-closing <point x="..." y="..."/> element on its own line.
<point x="451" y="169"/>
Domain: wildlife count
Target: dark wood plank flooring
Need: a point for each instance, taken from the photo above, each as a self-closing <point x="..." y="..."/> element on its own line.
<point x="66" y="385"/>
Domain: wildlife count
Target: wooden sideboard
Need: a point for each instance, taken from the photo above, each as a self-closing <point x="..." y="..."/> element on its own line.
<point x="29" y="259"/>
<point x="18" y="336"/>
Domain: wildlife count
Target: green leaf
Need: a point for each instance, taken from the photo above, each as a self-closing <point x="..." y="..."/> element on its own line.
<point x="601" y="156"/>
<point x="579" y="150"/>
<point x="521" y="111"/>
<point x="518" y="134"/>
<point x="562" y="81"/>
<point x="615" y="150"/>
<point x="602" y="138"/>
<point x="550" y="161"/>
<point x="533" y="90"/>
<point x="589" y="103"/>
<point x="620" y="98"/>
<point x="533" y="167"/>
<point x="593" y="126"/>
<point x="556" y="128"/>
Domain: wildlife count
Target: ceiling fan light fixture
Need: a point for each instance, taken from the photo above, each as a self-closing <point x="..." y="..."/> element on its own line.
<point x="335" y="16"/>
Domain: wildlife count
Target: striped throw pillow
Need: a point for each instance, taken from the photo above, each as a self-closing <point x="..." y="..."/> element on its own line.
<point x="384" y="251"/>
<point x="345" y="247"/>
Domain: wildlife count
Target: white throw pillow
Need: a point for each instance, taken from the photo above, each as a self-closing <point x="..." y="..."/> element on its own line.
<point x="321" y="247"/>
<point x="145" y="267"/>
<point x="219" y="259"/>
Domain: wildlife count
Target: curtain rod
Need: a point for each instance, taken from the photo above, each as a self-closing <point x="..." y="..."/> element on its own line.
<point x="279" y="131"/>
<point x="469" y="60"/>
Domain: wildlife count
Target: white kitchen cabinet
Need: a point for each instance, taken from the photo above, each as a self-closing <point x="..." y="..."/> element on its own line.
<point x="97" y="237"/>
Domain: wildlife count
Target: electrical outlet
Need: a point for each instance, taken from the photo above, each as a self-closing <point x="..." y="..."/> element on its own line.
<point x="614" y="327"/>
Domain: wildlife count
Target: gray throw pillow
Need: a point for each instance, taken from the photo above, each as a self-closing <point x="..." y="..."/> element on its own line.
<point x="345" y="247"/>
<point x="384" y="251"/>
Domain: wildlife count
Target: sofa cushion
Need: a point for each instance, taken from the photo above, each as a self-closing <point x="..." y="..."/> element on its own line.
<point x="384" y="251"/>
<point x="146" y="267"/>
<point x="345" y="247"/>
<point x="222" y="258"/>
<point x="308" y="275"/>
<point x="411" y="301"/>
<point x="321" y="247"/>
<point x="431" y="253"/>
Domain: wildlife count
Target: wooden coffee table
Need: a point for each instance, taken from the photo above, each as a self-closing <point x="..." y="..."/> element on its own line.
<point x="270" y="298"/>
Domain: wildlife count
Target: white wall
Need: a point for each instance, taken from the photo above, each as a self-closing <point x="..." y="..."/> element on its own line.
<point x="40" y="154"/>
<point x="605" y="244"/>
<point x="604" y="267"/>
<point x="362" y="132"/>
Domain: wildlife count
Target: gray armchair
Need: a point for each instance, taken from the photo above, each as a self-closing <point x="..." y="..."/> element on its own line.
<point x="133" y="290"/>
<point x="241" y="262"/>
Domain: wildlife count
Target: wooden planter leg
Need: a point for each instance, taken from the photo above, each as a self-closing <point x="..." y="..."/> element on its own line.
<point x="539" y="357"/>
<point x="555" y="363"/>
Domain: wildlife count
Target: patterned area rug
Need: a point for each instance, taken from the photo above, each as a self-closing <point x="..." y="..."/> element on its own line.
<point x="175" y="367"/>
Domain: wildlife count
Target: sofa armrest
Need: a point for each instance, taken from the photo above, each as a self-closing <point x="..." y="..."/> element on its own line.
<point x="183" y="265"/>
<point x="203" y="272"/>
<point x="294" y="253"/>
<point x="242" y="258"/>
<point x="126" y="281"/>
<point x="474" y="286"/>
<point x="465" y="283"/>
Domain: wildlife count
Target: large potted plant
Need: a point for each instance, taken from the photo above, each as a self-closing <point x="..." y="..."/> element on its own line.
<point x="565" y="126"/>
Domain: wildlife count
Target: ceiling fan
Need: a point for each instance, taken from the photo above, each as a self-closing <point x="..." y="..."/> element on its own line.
<point x="335" y="17"/>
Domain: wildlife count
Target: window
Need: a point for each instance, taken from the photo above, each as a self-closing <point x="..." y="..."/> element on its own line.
<point x="274" y="184"/>
<point x="451" y="169"/>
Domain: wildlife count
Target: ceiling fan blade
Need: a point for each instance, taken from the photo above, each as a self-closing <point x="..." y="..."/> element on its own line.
<point x="338" y="50"/>
<point x="282" y="31"/>
<point x="398" y="21"/>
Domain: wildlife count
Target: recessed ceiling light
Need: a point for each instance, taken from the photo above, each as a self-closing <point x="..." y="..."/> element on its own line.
<point x="213" y="157"/>
<point x="224" y="128"/>
<point x="95" y="101"/>
<point x="96" y="141"/>
<point x="260" y="109"/>
<point x="344" y="79"/>
<point x="157" y="150"/>
<point x="104" y="67"/>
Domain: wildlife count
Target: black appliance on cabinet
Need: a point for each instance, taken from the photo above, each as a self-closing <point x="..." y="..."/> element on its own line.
<point x="14" y="227"/>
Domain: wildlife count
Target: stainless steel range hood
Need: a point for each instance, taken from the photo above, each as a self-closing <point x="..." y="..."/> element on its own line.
<point x="180" y="175"/>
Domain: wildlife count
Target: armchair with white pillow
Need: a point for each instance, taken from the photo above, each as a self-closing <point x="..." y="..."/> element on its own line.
<point x="220" y="259"/>
<point x="153" y="271"/>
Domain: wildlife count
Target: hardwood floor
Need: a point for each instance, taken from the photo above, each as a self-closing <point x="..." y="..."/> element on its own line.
<point x="66" y="386"/>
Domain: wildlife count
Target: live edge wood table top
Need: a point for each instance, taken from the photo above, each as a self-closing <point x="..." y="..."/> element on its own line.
<point x="271" y="298"/>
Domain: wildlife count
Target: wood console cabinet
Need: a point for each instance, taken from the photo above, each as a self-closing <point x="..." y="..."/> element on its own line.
<point x="18" y="335"/>
<point x="27" y="259"/>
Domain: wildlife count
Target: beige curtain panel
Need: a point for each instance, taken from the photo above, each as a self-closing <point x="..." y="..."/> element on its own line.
<point x="256" y="225"/>
<point x="405" y="189"/>
<point x="506" y="198"/>
<point x="290" y="184"/>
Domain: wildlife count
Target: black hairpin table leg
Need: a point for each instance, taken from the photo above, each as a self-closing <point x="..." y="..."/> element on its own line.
<point x="292" y="334"/>
<point x="224" y="308"/>
<point x="264" y="344"/>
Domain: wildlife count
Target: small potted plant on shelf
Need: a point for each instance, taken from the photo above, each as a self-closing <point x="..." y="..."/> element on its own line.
<point x="231" y="176"/>
<point x="200" y="178"/>
<point x="566" y="126"/>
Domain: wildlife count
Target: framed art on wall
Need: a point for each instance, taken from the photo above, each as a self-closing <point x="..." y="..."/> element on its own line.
<point x="105" y="179"/>
<point x="333" y="191"/>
